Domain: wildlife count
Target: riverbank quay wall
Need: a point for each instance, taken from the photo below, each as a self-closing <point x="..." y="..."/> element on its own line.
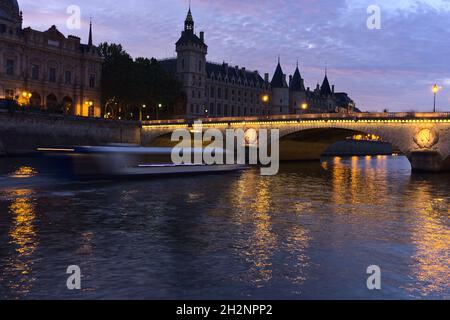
<point x="24" y="132"/>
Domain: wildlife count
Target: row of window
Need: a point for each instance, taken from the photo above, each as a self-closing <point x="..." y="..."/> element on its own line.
<point x="239" y="83"/>
<point x="200" y="65"/>
<point x="226" y="111"/>
<point x="217" y="93"/>
<point x="52" y="73"/>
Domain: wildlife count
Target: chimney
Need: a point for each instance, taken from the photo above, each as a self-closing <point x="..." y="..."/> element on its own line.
<point x="290" y="79"/>
<point x="284" y="78"/>
<point x="202" y="36"/>
<point x="266" y="77"/>
<point x="243" y="69"/>
<point x="332" y="88"/>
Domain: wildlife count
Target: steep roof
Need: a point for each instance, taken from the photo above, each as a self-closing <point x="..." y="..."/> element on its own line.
<point x="189" y="17"/>
<point x="238" y="73"/>
<point x="278" y="80"/>
<point x="342" y="99"/>
<point x="222" y="70"/>
<point x="9" y="10"/>
<point x="297" y="83"/>
<point x="190" y="38"/>
<point x="325" y="89"/>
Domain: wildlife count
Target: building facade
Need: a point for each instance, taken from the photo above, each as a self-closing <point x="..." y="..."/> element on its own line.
<point x="47" y="70"/>
<point x="220" y="90"/>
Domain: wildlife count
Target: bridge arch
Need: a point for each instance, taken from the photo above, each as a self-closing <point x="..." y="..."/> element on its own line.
<point x="311" y="144"/>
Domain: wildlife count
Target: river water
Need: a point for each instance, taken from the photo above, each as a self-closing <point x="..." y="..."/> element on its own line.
<point x="310" y="232"/>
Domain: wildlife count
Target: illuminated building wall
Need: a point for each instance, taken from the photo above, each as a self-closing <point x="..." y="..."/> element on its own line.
<point x="46" y="70"/>
<point x="221" y="90"/>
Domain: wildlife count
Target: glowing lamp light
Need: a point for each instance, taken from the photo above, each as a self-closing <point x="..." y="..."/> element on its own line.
<point x="265" y="98"/>
<point x="435" y="89"/>
<point x="304" y="106"/>
<point x="27" y="95"/>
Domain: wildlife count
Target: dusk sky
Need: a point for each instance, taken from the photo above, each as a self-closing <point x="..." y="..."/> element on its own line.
<point x="392" y="68"/>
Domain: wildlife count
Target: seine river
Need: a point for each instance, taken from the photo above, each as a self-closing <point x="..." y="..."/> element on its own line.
<point x="310" y="232"/>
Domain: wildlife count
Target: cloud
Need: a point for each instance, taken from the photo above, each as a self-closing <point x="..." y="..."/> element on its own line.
<point x="389" y="68"/>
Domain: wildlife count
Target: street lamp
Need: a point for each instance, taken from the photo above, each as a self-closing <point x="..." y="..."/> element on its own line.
<point x="435" y="91"/>
<point x="140" y="111"/>
<point x="304" y="106"/>
<point x="160" y="106"/>
<point x="27" y="96"/>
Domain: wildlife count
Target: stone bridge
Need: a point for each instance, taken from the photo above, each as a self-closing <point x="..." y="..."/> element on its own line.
<point x="423" y="137"/>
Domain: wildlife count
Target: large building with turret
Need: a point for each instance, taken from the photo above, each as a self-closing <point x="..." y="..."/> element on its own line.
<point x="47" y="70"/>
<point x="221" y="90"/>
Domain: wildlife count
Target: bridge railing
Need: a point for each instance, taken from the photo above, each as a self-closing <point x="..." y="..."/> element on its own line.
<point x="319" y="116"/>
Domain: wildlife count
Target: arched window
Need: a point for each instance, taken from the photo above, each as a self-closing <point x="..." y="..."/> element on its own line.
<point x="35" y="100"/>
<point x="52" y="103"/>
<point x="68" y="106"/>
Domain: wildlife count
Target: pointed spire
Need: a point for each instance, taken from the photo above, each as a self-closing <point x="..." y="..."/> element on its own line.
<point x="325" y="89"/>
<point x="278" y="80"/>
<point x="90" y="33"/>
<point x="297" y="83"/>
<point x="189" y="22"/>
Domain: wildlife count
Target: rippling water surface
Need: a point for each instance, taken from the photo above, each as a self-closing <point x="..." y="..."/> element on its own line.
<point x="310" y="232"/>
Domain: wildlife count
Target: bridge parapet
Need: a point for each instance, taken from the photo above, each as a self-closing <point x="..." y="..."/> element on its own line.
<point x="310" y="117"/>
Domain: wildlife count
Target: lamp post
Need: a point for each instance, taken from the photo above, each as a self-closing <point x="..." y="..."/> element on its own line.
<point x="435" y="91"/>
<point x="160" y="106"/>
<point x="265" y="99"/>
<point x="89" y="105"/>
<point x="140" y="111"/>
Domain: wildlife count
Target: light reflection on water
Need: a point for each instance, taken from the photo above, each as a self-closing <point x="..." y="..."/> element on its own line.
<point x="431" y="237"/>
<point x="309" y="232"/>
<point x="18" y="271"/>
